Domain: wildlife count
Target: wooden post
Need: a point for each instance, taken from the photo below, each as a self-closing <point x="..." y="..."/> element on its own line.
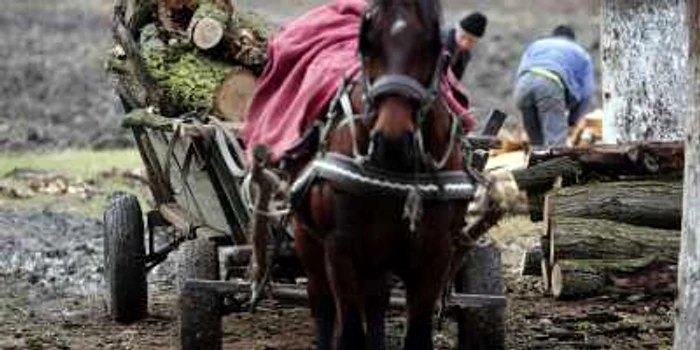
<point x="644" y="63"/>
<point x="687" y="333"/>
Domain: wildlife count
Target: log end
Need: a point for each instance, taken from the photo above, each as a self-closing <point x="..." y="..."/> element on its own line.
<point x="233" y="96"/>
<point x="207" y="33"/>
<point x="575" y="282"/>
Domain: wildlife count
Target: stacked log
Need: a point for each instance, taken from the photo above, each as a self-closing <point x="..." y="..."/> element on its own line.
<point x="612" y="215"/>
<point x="179" y="56"/>
<point x="609" y="238"/>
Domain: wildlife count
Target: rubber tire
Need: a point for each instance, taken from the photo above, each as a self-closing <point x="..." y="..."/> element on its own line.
<point x="197" y="259"/>
<point x="482" y="328"/>
<point x="125" y="259"/>
<point x="200" y="310"/>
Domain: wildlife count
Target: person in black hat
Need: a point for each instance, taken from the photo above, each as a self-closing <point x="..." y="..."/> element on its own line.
<point x="462" y="39"/>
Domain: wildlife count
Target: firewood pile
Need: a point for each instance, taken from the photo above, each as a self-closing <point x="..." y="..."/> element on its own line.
<point x="179" y="56"/>
<point x="611" y="216"/>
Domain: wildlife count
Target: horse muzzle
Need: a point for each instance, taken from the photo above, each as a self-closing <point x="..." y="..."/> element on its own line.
<point x="398" y="154"/>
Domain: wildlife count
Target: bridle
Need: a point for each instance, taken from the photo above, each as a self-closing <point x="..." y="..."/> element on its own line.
<point x="355" y="175"/>
<point x="406" y="87"/>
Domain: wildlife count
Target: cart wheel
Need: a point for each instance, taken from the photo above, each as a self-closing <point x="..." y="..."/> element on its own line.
<point x="197" y="259"/>
<point x="481" y="328"/>
<point x="125" y="259"/>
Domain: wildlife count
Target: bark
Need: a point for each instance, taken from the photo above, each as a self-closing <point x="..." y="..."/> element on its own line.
<point x="135" y="86"/>
<point x="599" y="163"/>
<point x="616" y="160"/>
<point x="687" y="333"/>
<point x="578" y="238"/>
<point x="138" y="13"/>
<point x="575" y="279"/>
<point x="187" y="78"/>
<point x="233" y="96"/>
<point x="644" y="203"/>
<point x="645" y="97"/>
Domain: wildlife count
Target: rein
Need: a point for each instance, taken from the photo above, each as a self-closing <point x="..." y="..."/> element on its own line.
<point x="354" y="174"/>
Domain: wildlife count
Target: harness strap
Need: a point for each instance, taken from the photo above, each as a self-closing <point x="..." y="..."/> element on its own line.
<point x="362" y="179"/>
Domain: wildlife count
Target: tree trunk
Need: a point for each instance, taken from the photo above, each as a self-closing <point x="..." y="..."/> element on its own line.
<point x="644" y="95"/>
<point x="687" y="334"/>
<point x="643" y="203"/>
<point x="577" y="238"/>
<point x="233" y="95"/>
<point x="576" y="279"/>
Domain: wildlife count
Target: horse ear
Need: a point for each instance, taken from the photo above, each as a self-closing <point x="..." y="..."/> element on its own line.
<point x="364" y="43"/>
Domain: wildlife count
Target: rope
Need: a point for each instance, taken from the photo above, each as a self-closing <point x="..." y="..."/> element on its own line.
<point x="250" y="203"/>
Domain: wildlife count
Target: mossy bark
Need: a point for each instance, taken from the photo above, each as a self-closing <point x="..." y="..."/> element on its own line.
<point x="188" y="78"/>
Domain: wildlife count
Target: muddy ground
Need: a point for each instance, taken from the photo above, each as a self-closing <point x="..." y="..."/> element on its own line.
<point x="52" y="294"/>
<point x="54" y="95"/>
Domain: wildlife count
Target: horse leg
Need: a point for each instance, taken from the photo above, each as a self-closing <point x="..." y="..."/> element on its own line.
<point x="377" y="296"/>
<point x="311" y="253"/>
<point x="344" y="281"/>
<point x="430" y="261"/>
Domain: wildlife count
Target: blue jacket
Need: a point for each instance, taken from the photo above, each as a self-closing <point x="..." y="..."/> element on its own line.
<point x="568" y="60"/>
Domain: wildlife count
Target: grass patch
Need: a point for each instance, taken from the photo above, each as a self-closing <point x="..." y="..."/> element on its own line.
<point x="82" y="168"/>
<point x="80" y="163"/>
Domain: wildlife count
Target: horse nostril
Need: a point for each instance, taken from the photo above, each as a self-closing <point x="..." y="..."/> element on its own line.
<point x="396" y="153"/>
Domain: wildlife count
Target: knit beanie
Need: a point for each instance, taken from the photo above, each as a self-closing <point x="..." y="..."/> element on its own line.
<point x="474" y="24"/>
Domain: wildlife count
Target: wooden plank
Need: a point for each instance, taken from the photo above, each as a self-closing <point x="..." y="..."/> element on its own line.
<point x="687" y="333"/>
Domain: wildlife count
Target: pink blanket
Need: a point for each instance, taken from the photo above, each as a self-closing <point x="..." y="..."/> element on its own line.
<point x="307" y="61"/>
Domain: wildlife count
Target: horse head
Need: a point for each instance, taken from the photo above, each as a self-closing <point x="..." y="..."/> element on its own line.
<point x="400" y="48"/>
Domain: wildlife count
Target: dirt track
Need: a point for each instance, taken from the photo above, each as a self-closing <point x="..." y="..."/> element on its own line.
<point x="54" y="95"/>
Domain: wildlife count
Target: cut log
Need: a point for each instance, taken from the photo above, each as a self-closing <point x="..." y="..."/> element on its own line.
<point x="540" y="178"/>
<point x="644" y="203"/>
<point x="576" y="279"/>
<point x="135" y="86"/>
<point x="578" y="238"/>
<point x="176" y="15"/>
<point x="208" y="25"/>
<point x="601" y="162"/>
<point x="245" y="40"/>
<point x="532" y="261"/>
<point x="233" y="95"/>
<point x="188" y="79"/>
<point x="629" y="159"/>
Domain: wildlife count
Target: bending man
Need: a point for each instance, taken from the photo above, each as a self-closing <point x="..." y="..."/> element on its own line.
<point x="554" y="87"/>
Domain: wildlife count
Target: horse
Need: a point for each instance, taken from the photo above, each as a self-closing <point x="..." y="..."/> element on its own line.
<point x="389" y="191"/>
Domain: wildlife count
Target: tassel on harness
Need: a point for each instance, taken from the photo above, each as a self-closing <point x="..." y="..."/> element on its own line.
<point x="413" y="208"/>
